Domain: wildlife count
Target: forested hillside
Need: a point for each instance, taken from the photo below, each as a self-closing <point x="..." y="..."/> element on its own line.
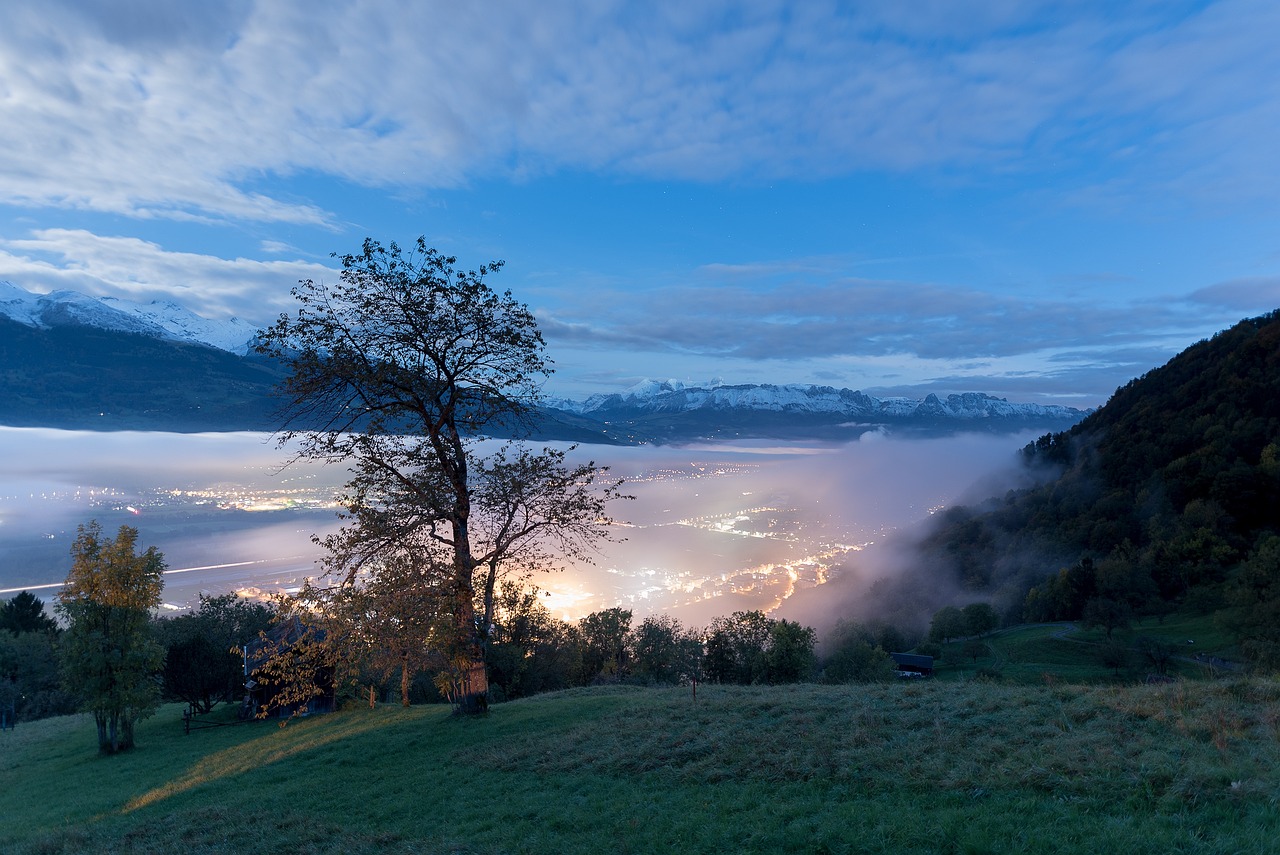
<point x="83" y="377"/>
<point x="1165" y="498"/>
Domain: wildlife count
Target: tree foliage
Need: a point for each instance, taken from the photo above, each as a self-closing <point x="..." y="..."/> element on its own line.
<point x="404" y="363"/>
<point x="202" y="666"/>
<point x="1158" y="500"/>
<point x="749" y="647"/>
<point x="606" y="655"/>
<point x="29" y="680"/>
<point x="530" y="651"/>
<point x="948" y="623"/>
<point x="25" y="613"/>
<point x="109" y="658"/>
<point x="980" y="618"/>
<point x="665" y="653"/>
<point x="856" y="654"/>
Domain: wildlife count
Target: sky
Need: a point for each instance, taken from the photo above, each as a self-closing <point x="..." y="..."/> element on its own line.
<point x="1037" y="200"/>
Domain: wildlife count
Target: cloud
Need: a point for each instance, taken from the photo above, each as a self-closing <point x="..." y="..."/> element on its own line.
<point x="139" y="270"/>
<point x="758" y="321"/>
<point x="1255" y="294"/>
<point x="151" y="113"/>
<point x="816" y="316"/>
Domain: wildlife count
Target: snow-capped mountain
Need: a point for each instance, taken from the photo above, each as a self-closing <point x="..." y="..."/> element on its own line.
<point x="159" y="318"/>
<point x="651" y="397"/>
<point x="651" y="411"/>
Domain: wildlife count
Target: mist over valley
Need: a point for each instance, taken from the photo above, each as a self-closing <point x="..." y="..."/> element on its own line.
<point x="714" y="528"/>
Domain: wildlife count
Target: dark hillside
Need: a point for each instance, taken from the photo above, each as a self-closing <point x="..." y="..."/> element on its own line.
<point x="85" y="378"/>
<point x="1169" y="495"/>
<point x="1198" y="427"/>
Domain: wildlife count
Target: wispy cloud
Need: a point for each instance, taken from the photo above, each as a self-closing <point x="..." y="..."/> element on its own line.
<point x="862" y="317"/>
<point x="53" y="259"/>
<point x="893" y="335"/>
<point x="1255" y="294"/>
<point x="151" y="113"/>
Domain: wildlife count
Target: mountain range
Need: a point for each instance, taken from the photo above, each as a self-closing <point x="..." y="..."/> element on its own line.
<point x="161" y="319"/>
<point x="73" y="361"/>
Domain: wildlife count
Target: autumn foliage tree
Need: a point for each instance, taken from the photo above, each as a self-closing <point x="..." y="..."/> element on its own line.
<point x="109" y="658"/>
<point x="396" y="371"/>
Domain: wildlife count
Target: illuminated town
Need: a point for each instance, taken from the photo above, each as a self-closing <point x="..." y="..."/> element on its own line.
<point x="701" y="537"/>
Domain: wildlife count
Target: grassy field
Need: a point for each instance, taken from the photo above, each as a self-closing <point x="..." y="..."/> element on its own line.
<point x="928" y="766"/>
<point x="1037" y="654"/>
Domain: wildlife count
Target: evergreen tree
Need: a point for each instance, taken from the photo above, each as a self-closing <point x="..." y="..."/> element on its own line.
<point x="25" y="613"/>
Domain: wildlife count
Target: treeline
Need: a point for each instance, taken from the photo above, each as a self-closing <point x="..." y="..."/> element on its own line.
<point x="1165" y="499"/>
<point x="531" y="651"/>
<point x="199" y="665"/>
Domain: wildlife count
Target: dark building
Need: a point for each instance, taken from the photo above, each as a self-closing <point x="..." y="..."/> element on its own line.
<point x="301" y="683"/>
<point x="913" y="664"/>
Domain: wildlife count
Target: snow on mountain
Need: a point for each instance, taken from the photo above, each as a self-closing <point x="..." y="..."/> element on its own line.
<point x="651" y="396"/>
<point x="18" y="304"/>
<point x="182" y="324"/>
<point x="160" y="319"/>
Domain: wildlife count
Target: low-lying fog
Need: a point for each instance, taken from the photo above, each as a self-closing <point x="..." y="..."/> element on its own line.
<point x="713" y="528"/>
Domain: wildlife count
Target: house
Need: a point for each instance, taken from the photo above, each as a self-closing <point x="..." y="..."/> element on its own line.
<point x="913" y="664"/>
<point x="287" y="672"/>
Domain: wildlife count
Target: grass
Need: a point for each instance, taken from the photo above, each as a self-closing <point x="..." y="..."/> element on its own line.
<point x="905" y="767"/>
<point x="1064" y="652"/>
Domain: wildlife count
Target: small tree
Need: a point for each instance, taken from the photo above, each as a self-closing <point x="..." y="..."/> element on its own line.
<point x="790" y="657"/>
<point x="1114" y="656"/>
<point x="948" y="623"/>
<point x="200" y="665"/>
<point x="1156" y="652"/>
<point x="856" y="655"/>
<point x="975" y="649"/>
<point x="1108" y="614"/>
<point x="605" y="635"/>
<point x="108" y="655"/>
<point x="25" y="613"/>
<point x="736" y="648"/>
<point x="663" y="651"/>
<point x="980" y="618"/>
<point x="29" y="668"/>
<point x="530" y="650"/>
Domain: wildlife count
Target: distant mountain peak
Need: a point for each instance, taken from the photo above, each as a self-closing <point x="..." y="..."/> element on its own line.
<point x="164" y="319"/>
<point x="651" y="397"/>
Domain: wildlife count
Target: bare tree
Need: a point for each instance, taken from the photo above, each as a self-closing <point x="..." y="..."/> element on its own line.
<point x="396" y="371"/>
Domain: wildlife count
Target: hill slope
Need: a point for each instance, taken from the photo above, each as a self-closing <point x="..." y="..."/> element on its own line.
<point x="901" y="767"/>
<point x="77" y="376"/>
<point x="1167" y="494"/>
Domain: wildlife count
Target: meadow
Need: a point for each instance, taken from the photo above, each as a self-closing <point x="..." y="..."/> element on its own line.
<point x="1068" y="652"/>
<point x="960" y="765"/>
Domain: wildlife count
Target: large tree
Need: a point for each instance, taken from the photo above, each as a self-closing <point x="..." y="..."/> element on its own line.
<point x="397" y="370"/>
<point x="109" y="658"/>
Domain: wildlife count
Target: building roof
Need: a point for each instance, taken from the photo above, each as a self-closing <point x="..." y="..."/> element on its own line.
<point x="913" y="661"/>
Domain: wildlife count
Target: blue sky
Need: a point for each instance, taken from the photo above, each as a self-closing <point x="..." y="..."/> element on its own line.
<point x="1035" y="200"/>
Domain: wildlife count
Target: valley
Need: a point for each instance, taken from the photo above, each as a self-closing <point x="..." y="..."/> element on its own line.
<point x="712" y="529"/>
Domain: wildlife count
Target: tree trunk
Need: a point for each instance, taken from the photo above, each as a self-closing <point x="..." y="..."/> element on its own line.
<point x="472" y="676"/>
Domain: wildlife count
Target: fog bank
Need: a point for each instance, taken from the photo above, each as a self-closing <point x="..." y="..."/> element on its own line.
<point x="713" y="529"/>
